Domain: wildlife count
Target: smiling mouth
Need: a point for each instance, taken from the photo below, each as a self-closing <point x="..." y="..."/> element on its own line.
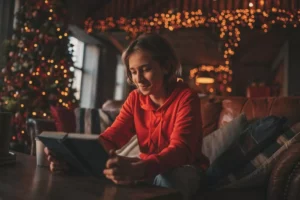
<point x="144" y="86"/>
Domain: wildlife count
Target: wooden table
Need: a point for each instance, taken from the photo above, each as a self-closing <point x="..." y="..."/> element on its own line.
<point x="25" y="180"/>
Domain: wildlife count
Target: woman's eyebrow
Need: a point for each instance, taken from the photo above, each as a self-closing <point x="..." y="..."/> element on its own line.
<point x="143" y="65"/>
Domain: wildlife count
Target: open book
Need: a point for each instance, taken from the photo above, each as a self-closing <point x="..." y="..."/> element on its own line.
<point x="81" y="151"/>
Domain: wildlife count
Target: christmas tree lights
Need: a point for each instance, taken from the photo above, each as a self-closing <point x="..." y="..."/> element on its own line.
<point x="39" y="57"/>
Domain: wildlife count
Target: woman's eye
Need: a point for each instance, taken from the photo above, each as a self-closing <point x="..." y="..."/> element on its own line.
<point x="133" y="73"/>
<point x="147" y="69"/>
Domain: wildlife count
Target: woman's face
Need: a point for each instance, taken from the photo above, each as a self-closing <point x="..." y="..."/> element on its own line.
<point x="146" y="73"/>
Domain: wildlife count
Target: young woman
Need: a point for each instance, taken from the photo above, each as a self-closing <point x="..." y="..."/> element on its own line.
<point x="164" y="115"/>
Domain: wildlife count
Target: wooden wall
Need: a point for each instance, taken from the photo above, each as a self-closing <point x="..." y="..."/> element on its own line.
<point x="139" y="8"/>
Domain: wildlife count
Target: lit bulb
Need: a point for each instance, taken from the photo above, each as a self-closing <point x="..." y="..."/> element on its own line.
<point x="58" y="29"/>
<point x="66" y="34"/>
<point x="35" y="45"/>
<point x="60" y="37"/>
<point x="50" y="18"/>
<point x="43" y="93"/>
<point x="30" y="82"/>
<point x="34" y="113"/>
<point x="22" y="105"/>
<point x="50" y="10"/>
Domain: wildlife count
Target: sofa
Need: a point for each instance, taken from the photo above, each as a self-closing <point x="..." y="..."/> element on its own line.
<point x="283" y="179"/>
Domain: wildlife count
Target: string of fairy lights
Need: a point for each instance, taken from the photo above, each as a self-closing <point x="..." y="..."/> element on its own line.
<point x="228" y="23"/>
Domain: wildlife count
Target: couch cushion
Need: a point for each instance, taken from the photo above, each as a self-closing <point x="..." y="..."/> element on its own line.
<point x="64" y="119"/>
<point x="91" y="120"/>
<point x="218" y="141"/>
<point x="256" y="137"/>
<point x="210" y="112"/>
<point x="256" y="172"/>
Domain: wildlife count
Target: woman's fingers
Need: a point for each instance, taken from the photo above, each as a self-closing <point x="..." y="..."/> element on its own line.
<point x="112" y="171"/>
<point x="58" y="166"/>
<point x="55" y="165"/>
<point x="113" y="162"/>
<point x="120" y="180"/>
<point x="46" y="151"/>
<point x="112" y="153"/>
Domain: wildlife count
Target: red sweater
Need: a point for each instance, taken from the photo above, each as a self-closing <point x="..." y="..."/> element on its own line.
<point x="169" y="136"/>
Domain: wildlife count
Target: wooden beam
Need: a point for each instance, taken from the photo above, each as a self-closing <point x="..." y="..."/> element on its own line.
<point x="114" y="41"/>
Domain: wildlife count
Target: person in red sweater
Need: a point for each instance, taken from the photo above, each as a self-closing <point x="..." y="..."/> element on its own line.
<point x="164" y="115"/>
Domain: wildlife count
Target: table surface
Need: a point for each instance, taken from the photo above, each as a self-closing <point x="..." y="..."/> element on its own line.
<point x="25" y="180"/>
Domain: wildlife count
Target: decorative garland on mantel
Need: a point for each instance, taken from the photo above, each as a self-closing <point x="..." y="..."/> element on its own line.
<point x="228" y="23"/>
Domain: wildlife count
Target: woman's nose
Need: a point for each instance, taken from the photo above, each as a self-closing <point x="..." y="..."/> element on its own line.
<point x="140" y="77"/>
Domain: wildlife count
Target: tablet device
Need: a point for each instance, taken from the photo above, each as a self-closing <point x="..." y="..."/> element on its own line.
<point x="81" y="151"/>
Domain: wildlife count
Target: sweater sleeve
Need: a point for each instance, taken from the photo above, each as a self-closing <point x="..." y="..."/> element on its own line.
<point x="122" y="129"/>
<point x="183" y="140"/>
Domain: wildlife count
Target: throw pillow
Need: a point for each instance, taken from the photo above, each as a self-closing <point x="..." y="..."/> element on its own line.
<point x="64" y="119"/>
<point x="217" y="142"/>
<point x="257" y="171"/>
<point x="257" y="136"/>
<point x="91" y="120"/>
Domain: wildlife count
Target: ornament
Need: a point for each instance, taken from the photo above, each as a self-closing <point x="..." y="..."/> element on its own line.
<point x="41" y="35"/>
<point x="25" y="64"/>
<point x="17" y="115"/>
<point x="11" y="54"/>
<point x="21" y="44"/>
<point x="34" y="13"/>
<point x="4" y="70"/>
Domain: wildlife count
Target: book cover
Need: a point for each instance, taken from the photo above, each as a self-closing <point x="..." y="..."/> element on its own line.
<point x="81" y="151"/>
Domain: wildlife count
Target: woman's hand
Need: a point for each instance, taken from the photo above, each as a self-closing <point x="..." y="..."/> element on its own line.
<point x="55" y="165"/>
<point x="123" y="170"/>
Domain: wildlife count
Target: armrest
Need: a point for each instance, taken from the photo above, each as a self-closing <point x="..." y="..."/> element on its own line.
<point x="284" y="181"/>
<point x="36" y="127"/>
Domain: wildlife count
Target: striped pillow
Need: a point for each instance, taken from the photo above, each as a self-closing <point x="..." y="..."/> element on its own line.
<point x="257" y="171"/>
<point x="91" y="120"/>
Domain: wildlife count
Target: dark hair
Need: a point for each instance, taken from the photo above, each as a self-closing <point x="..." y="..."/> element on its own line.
<point x="160" y="50"/>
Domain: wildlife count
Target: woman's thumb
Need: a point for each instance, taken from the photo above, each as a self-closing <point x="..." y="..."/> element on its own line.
<point x="112" y="153"/>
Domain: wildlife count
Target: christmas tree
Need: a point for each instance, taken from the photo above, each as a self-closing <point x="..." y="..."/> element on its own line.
<point x="39" y="67"/>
